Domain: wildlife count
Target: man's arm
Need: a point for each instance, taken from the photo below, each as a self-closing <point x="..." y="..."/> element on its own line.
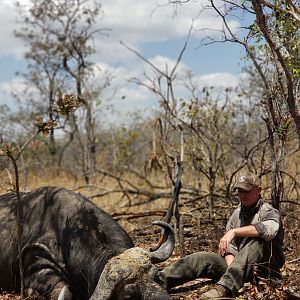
<point x="246" y="231"/>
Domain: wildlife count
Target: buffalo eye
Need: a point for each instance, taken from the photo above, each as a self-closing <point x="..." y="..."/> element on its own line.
<point x="154" y="274"/>
<point x="130" y="291"/>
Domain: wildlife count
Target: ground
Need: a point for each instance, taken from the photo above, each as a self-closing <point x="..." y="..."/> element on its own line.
<point x="201" y="234"/>
<point x="286" y="288"/>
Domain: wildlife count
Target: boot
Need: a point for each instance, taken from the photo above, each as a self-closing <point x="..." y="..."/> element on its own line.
<point x="217" y="292"/>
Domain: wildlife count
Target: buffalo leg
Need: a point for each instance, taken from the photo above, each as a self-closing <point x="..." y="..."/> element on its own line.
<point x="44" y="275"/>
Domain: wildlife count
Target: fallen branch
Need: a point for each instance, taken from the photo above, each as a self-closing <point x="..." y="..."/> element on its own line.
<point x="130" y="216"/>
<point x="149" y="195"/>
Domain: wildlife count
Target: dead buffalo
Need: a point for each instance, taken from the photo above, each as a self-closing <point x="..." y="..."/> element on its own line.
<point x="72" y="249"/>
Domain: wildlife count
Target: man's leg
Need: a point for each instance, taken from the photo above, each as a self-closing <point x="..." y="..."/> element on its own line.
<point x="197" y="265"/>
<point x="241" y="270"/>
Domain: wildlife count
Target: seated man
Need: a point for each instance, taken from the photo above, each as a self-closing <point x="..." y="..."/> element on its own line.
<point x="254" y="235"/>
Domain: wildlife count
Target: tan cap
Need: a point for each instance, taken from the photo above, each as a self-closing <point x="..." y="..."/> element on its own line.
<point x="247" y="181"/>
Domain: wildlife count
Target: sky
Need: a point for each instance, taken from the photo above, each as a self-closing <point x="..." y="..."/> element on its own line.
<point x="156" y="30"/>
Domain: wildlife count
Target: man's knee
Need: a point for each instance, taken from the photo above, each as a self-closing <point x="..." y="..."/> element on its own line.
<point x="253" y="250"/>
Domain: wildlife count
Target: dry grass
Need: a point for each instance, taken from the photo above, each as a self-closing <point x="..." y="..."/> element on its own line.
<point x="138" y="225"/>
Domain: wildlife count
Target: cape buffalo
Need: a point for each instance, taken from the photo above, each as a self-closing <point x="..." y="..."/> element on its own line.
<point x="72" y="249"/>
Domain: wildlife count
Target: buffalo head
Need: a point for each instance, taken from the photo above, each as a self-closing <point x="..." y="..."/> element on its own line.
<point x="133" y="275"/>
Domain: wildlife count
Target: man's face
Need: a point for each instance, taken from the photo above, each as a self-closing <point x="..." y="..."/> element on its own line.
<point x="249" y="198"/>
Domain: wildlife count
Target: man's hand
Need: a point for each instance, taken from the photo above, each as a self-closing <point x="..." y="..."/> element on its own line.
<point x="225" y="241"/>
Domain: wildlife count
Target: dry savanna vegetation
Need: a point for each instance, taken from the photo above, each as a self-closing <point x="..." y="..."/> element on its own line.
<point x="199" y="232"/>
<point x="189" y="150"/>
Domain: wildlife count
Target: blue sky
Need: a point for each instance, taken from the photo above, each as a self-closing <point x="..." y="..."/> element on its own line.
<point x="218" y="57"/>
<point x="153" y="31"/>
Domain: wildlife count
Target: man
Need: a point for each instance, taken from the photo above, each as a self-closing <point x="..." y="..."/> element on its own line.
<point x="254" y="236"/>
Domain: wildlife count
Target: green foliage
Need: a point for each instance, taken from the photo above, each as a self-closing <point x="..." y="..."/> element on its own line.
<point x="284" y="29"/>
<point x="286" y="32"/>
<point x="273" y="44"/>
<point x="284" y="128"/>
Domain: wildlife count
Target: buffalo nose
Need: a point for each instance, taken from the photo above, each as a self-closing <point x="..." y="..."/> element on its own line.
<point x="163" y="297"/>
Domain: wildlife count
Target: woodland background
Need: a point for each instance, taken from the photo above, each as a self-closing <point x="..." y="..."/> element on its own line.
<point x="56" y="135"/>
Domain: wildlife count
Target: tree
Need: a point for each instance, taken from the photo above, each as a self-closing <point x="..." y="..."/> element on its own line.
<point x="270" y="35"/>
<point x="214" y="149"/>
<point x="279" y="24"/>
<point x="60" y="38"/>
<point x="272" y="43"/>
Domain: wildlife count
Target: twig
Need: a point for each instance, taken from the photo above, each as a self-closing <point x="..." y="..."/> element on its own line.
<point x="130" y="216"/>
<point x="293" y="260"/>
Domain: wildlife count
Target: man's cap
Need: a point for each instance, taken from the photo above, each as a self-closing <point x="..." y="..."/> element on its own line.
<point x="247" y="181"/>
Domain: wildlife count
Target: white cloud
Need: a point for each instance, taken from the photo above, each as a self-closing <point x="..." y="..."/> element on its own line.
<point x="122" y="93"/>
<point x="7" y="88"/>
<point x="152" y="20"/>
<point x="140" y="22"/>
<point x="15" y="85"/>
<point x="223" y="79"/>
<point x="138" y="97"/>
<point x="137" y="23"/>
<point x="134" y="22"/>
<point x="9" y="44"/>
<point x="167" y="64"/>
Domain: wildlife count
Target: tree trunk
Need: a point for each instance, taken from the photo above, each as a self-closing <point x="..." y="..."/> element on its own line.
<point x="90" y="144"/>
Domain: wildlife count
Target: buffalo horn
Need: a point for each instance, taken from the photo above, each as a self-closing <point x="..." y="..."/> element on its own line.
<point x="166" y="249"/>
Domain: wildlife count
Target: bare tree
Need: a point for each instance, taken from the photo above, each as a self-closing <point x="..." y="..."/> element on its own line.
<point x="60" y="38"/>
<point x="272" y="44"/>
<point x="209" y="121"/>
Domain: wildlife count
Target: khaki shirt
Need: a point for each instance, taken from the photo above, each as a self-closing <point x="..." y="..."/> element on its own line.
<point x="267" y="221"/>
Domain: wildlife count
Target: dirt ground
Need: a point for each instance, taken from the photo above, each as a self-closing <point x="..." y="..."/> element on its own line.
<point x="198" y="236"/>
<point x="286" y="288"/>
